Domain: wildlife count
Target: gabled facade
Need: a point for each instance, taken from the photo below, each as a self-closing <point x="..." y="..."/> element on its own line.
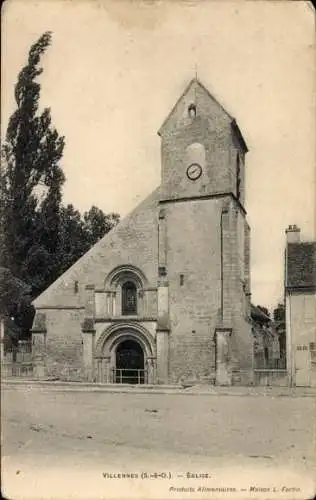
<point x="164" y="297"/>
<point x="300" y="304"/>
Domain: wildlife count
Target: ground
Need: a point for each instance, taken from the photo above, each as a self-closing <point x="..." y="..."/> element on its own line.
<point x="64" y="443"/>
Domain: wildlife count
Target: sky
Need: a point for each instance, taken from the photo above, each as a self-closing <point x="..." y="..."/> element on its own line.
<point x="115" y="69"/>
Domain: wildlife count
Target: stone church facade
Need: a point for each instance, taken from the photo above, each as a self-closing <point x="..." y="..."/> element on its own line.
<point x="164" y="297"/>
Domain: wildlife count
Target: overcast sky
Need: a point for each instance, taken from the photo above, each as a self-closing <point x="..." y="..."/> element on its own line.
<point x="116" y="68"/>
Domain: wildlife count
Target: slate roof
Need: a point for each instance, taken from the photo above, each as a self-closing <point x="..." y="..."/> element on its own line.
<point x="301" y="265"/>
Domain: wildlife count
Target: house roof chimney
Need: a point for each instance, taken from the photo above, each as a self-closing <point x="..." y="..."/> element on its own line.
<point x="293" y="234"/>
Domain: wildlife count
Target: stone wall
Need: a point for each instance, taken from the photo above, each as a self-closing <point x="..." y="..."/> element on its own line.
<point x="211" y="129"/>
<point x="201" y="242"/>
<point x="64" y="343"/>
<point x="133" y="241"/>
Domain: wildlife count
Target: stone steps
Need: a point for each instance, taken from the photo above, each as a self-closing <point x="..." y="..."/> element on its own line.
<point x="57" y="385"/>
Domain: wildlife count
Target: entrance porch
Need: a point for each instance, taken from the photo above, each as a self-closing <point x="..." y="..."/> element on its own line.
<point x="125" y="355"/>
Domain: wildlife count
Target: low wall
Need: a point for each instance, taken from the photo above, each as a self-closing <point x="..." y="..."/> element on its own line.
<point x="22" y="369"/>
<point x="266" y="377"/>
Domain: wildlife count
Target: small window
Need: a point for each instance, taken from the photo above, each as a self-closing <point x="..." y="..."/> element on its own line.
<point x="162" y="213"/>
<point x="162" y="271"/>
<point x="192" y="111"/>
<point x="129" y="298"/>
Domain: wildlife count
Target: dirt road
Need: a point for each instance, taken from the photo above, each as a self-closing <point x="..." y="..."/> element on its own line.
<point x="78" y="444"/>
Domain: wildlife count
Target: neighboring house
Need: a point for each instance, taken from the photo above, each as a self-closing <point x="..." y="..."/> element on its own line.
<point x="269" y="350"/>
<point x="164" y="297"/>
<point x="300" y="303"/>
<point x="260" y="325"/>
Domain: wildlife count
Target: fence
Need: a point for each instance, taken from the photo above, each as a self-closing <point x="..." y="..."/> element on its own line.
<point x="17" y="369"/>
<point x="263" y="362"/>
<point x="270" y="371"/>
<point x="17" y="361"/>
<point x="126" y="376"/>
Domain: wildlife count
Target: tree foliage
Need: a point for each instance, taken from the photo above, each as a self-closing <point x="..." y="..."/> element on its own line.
<point x="279" y="313"/>
<point x="39" y="237"/>
<point x="15" y="302"/>
<point x="265" y="310"/>
<point x="31" y="154"/>
<point x="11" y="290"/>
<point x="78" y="233"/>
<point x="97" y="224"/>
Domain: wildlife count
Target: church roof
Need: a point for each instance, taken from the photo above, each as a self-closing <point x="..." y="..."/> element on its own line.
<point x="103" y="257"/>
<point x="301" y="265"/>
<point x="197" y="84"/>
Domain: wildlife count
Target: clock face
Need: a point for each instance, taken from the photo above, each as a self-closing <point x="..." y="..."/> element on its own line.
<point x="194" y="171"/>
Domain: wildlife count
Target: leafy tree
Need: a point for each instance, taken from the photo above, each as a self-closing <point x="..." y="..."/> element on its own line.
<point x="79" y="233"/>
<point x="11" y="291"/>
<point x="15" y="302"/>
<point x="97" y="224"/>
<point x="39" y="238"/>
<point x="264" y="310"/>
<point x="31" y="153"/>
<point x="279" y="313"/>
<point x="72" y="237"/>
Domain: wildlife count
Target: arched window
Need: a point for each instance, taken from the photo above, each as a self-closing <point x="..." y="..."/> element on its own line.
<point x="192" y="111"/>
<point x="129" y="298"/>
<point x="195" y="153"/>
<point x="125" y="285"/>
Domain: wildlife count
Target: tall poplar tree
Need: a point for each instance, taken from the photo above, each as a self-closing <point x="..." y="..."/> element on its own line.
<point x="31" y="181"/>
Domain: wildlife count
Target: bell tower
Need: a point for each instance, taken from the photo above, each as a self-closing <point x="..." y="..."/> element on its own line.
<point x="202" y="149"/>
<point x="203" y="243"/>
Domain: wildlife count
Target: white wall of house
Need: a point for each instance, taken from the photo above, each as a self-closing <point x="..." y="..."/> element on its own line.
<point x="301" y="335"/>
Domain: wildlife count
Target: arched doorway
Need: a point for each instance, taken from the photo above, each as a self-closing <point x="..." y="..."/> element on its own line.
<point x="125" y="353"/>
<point x="129" y="363"/>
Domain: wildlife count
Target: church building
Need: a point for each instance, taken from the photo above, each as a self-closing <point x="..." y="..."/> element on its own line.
<point x="164" y="297"/>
